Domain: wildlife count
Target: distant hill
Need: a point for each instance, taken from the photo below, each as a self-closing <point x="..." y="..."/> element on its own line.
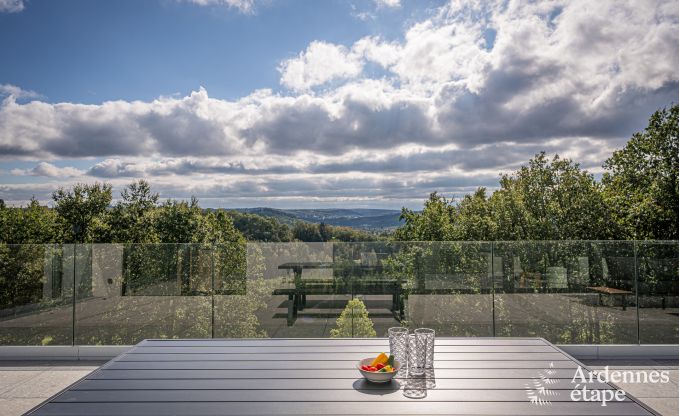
<point x="365" y="219"/>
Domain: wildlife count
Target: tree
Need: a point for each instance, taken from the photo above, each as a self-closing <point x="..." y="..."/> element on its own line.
<point x="354" y="322"/>
<point x="132" y="218"/>
<point x="33" y="224"/>
<point x="82" y="208"/>
<point x="642" y="179"/>
<point x="551" y="200"/>
<point x="474" y="218"/>
<point x="544" y="200"/>
<point x="434" y="223"/>
<point x="304" y="231"/>
<point x="259" y="228"/>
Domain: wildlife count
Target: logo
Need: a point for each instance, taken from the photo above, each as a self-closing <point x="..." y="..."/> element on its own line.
<point x="539" y="393"/>
<point x="588" y="385"/>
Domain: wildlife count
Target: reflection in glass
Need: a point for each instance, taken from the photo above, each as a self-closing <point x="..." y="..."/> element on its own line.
<point x="569" y="292"/>
<point x="36" y="294"/>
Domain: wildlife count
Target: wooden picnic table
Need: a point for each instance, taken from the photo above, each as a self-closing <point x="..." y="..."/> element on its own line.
<point x="604" y="290"/>
<point x="479" y="376"/>
<point x="351" y="283"/>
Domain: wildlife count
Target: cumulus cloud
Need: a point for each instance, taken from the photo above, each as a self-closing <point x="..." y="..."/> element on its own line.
<point x="319" y="63"/>
<point x="15" y="92"/>
<point x="48" y="170"/>
<point x="11" y="6"/>
<point x="476" y="88"/>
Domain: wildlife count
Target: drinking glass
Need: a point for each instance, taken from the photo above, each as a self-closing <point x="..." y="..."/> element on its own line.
<point x="428" y="337"/>
<point x="415" y="388"/>
<point x="416" y="355"/>
<point x="398" y="344"/>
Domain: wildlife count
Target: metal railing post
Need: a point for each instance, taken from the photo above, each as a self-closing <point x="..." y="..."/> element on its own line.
<point x="636" y="291"/>
<point x="492" y="279"/>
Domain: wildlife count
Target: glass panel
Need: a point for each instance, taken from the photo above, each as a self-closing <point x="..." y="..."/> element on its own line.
<point x="290" y="291"/>
<point x="569" y="292"/>
<point x="128" y="292"/>
<point x="450" y="288"/>
<point x="36" y="287"/>
<point x="658" y="264"/>
<point x="374" y="291"/>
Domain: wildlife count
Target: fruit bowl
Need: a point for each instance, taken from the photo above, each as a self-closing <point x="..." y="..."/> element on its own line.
<point x="377" y="377"/>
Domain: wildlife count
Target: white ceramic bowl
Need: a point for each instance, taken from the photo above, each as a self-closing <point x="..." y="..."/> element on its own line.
<point x="377" y="377"/>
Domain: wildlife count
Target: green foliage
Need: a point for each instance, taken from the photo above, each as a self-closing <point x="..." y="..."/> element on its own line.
<point x="181" y="221"/>
<point x="354" y="322"/>
<point x="310" y="232"/>
<point x="259" y="228"/>
<point x="82" y="209"/>
<point x="34" y="224"/>
<point x="642" y="182"/>
<point x="433" y="223"/>
<point x="545" y="200"/>
<point x="554" y="200"/>
<point x="132" y="220"/>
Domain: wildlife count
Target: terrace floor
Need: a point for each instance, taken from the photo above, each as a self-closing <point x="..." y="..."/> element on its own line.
<point x="24" y="384"/>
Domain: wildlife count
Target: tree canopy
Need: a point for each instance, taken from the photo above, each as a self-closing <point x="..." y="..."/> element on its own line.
<point x="642" y="180"/>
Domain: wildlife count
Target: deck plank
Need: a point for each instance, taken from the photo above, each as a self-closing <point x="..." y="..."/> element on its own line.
<point x="473" y="376"/>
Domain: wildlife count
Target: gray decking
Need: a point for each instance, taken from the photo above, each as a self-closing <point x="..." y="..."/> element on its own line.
<point x="481" y="376"/>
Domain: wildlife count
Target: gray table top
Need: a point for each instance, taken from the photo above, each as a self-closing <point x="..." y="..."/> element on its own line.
<point x="477" y="376"/>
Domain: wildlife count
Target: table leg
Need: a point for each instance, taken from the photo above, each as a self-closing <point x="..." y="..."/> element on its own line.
<point x="624" y="302"/>
<point x="291" y="309"/>
<point x="401" y="306"/>
<point x="599" y="303"/>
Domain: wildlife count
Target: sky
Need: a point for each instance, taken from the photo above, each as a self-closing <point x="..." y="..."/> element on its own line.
<point x="308" y="104"/>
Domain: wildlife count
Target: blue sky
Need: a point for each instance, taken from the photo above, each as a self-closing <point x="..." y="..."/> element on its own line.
<point x="91" y="51"/>
<point x="320" y="103"/>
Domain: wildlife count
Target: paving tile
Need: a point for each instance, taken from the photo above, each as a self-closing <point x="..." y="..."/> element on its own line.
<point x="651" y="390"/>
<point x="11" y="378"/>
<point x="666" y="407"/>
<point x="17" y="407"/>
<point x="45" y="385"/>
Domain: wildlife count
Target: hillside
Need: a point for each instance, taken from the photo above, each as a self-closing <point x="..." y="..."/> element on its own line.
<point x="366" y="219"/>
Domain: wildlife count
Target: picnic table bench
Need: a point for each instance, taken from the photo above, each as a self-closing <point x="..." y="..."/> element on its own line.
<point x="201" y="377"/>
<point x="345" y="285"/>
<point x="604" y="290"/>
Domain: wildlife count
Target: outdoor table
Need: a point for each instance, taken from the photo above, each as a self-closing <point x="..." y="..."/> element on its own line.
<point x="603" y="290"/>
<point x="479" y="376"/>
<point x="347" y="284"/>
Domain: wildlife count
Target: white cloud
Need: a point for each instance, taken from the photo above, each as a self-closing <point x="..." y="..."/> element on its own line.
<point x="11" y="6"/>
<point x="320" y="63"/>
<point x="48" y="170"/>
<point x="476" y="88"/>
<point x="16" y="92"/>
<point x="243" y="6"/>
<point x="388" y="3"/>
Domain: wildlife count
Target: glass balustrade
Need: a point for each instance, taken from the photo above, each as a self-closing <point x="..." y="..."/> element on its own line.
<point x="569" y="292"/>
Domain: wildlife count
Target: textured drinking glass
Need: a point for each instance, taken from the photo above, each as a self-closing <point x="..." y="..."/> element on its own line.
<point x="416" y="355"/>
<point x="415" y="388"/>
<point x="428" y="336"/>
<point x="398" y="344"/>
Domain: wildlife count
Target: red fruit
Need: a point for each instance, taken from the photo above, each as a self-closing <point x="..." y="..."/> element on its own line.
<point x="371" y="368"/>
<point x="379" y="366"/>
